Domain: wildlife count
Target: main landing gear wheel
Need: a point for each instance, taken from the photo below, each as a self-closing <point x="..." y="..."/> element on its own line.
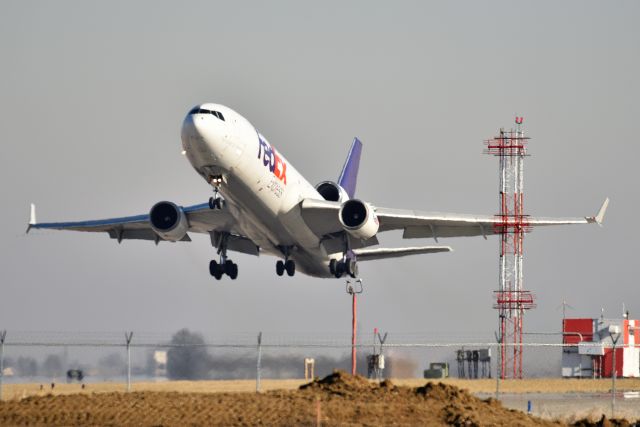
<point x="340" y="268"/>
<point x="229" y="268"/>
<point x="352" y="268"/>
<point x="290" y="266"/>
<point x="279" y="268"/>
<point x="332" y="266"/>
<point x="215" y="269"/>
<point x="232" y="270"/>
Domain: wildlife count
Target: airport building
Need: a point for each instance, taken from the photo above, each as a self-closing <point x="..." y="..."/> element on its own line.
<point x="593" y="348"/>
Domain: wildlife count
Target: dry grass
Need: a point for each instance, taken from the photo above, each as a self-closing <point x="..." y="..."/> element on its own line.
<point x="545" y="385"/>
<point x="11" y="391"/>
<point x="535" y="385"/>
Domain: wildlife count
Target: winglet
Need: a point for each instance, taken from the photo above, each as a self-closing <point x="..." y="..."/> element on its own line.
<point x="599" y="218"/>
<point x="32" y="217"/>
<point x="349" y="174"/>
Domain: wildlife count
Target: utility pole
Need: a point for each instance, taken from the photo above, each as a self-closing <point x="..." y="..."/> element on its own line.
<point x="128" y="336"/>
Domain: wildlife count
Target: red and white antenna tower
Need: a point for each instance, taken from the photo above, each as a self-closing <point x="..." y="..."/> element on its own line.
<point x="511" y="225"/>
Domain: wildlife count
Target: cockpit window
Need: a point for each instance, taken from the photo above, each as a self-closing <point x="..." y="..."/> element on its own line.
<point x="198" y="110"/>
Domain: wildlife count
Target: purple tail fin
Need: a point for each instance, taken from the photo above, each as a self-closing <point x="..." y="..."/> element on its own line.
<point x="349" y="174"/>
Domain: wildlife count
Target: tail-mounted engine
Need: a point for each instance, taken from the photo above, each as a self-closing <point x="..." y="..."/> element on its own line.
<point x="358" y="219"/>
<point x="168" y="221"/>
<point x="332" y="192"/>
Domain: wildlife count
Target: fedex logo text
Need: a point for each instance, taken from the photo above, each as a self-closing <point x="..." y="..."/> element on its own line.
<point x="272" y="160"/>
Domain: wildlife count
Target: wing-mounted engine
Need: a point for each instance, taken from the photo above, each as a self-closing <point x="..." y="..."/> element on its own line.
<point x="168" y="221"/>
<point x="358" y="219"/>
<point x="332" y="192"/>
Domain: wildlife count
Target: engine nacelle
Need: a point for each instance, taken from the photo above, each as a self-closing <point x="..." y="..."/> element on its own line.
<point x="332" y="192"/>
<point x="358" y="219"/>
<point x="168" y="221"/>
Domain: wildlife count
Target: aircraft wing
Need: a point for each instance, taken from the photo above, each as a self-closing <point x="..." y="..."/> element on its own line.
<point x="384" y="253"/>
<point x="201" y="219"/>
<point x="322" y="217"/>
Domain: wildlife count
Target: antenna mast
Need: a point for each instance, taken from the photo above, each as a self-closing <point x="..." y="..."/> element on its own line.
<point x="511" y="299"/>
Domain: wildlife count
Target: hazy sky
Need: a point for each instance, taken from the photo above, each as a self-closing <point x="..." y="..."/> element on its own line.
<point x="92" y="95"/>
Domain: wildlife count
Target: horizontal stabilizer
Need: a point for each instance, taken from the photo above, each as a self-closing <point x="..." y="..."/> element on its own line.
<point x="384" y="253"/>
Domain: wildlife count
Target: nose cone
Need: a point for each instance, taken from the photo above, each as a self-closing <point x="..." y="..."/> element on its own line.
<point x="201" y="131"/>
<point x="207" y="137"/>
<point x="200" y="126"/>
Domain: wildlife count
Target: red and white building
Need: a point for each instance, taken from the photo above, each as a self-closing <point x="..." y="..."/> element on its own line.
<point x="589" y="353"/>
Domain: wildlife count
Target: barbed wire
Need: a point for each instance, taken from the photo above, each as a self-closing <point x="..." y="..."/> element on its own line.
<point x="281" y="345"/>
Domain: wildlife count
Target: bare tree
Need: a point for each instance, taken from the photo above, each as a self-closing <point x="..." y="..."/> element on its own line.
<point x="112" y="365"/>
<point x="52" y="366"/>
<point x="190" y="360"/>
<point x="27" y="366"/>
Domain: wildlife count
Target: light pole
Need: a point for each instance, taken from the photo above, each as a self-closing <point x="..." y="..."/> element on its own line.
<point x="614" y="333"/>
<point x="3" y="335"/>
<point x="259" y="363"/>
<point x="498" y="364"/>
<point x="128" y="336"/>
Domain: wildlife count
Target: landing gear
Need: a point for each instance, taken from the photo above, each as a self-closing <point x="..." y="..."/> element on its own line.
<point x="290" y="266"/>
<point x="228" y="267"/>
<point x="225" y="265"/>
<point x="215" y="269"/>
<point x="287" y="265"/>
<point x="347" y="265"/>
<point x="215" y="202"/>
<point x="279" y="268"/>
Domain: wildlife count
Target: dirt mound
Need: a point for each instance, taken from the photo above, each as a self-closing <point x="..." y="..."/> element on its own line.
<point x="342" y="384"/>
<point x="605" y="422"/>
<point x="338" y="399"/>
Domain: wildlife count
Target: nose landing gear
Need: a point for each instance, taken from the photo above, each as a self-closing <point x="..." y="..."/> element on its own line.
<point x="216" y="201"/>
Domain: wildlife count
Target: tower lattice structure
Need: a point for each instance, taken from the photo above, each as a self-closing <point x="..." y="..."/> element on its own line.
<point x="511" y="224"/>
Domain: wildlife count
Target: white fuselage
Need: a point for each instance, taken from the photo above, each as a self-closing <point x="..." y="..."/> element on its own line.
<point x="262" y="190"/>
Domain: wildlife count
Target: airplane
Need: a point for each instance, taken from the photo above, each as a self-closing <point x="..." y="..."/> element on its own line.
<point x="262" y="204"/>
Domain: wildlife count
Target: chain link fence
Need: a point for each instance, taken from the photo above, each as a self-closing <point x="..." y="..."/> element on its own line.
<point x="46" y="360"/>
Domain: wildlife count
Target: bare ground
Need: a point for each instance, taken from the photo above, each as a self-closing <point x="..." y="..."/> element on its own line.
<point x="533" y="385"/>
<point x="338" y="399"/>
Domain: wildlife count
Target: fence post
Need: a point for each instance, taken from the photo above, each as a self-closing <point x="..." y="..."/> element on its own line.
<point x="128" y="336"/>
<point x="3" y="335"/>
<point x="614" y="333"/>
<point x="613" y="384"/>
<point x="259" y="362"/>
